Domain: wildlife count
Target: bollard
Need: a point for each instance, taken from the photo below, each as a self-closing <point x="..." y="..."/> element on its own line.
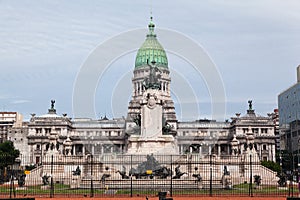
<point x="162" y="195"/>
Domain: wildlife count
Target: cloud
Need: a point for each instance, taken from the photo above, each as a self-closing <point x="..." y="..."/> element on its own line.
<point x="20" y="101"/>
<point x="4" y="96"/>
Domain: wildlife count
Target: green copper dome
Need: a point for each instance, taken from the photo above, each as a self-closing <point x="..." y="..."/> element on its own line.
<point x="151" y="50"/>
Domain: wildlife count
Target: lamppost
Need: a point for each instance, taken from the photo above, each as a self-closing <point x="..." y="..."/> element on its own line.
<point x="298" y="170"/>
<point x="280" y="161"/>
<point x="14" y="167"/>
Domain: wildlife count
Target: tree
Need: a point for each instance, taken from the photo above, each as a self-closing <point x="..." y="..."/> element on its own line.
<point x="271" y="165"/>
<point x="8" y="154"/>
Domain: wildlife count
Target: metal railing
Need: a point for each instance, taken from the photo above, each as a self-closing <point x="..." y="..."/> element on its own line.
<point x="138" y="175"/>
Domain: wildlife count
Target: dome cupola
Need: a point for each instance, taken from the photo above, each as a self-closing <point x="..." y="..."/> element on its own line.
<point x="151" y="50"/>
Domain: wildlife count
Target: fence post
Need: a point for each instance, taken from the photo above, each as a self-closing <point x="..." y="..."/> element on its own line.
<point x="131" y="176"/>
<point x="210" y="177"/>
<point x="92" y="184"/>
<point x="250" y="184"/>
<point x="51" y="184"/>
<point x="292" y="177"/>
<point x="171" y="189"/>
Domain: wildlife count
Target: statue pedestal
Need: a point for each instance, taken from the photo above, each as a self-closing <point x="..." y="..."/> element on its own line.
<point x="75" y="182"/>
<point x="226" y="182"/>
<point x="45" y="187"/>
<point x="151" y="139"/>
<point x="164" y="144"/>
<point x="21" y="188"/>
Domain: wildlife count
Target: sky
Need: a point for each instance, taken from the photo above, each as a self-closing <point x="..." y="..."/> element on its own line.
<point x="254" y="45"/>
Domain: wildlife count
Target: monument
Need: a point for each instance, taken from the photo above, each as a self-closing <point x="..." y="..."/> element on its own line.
<point x="151" y="138"/>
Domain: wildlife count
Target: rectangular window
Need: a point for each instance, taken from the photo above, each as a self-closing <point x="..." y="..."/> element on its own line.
<point x="213" y="133"/>
<point x="37" y="160"/>
<point x="265" y="158"/>
<point x="58" y="130"/>
<point x="255" y="130"/>
<point x="38" y="130"/>
<point x="47" y="130"/>
<point x="264" y="147"/>
<point x="264" y="130"/>
<point x="184" y="133"/>
<point x="245" y="130"/>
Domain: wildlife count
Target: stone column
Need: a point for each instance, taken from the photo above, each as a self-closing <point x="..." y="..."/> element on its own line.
<point x="260" y="148"/>
<point x="228" y="149"/>
<point x="168" y="91"/>
<point x="200" y="150"/>
<point x="270" y="151"/>
<point x="93" y="149"/>
<point x="219" y="150"/>
<point x="209" y="149"/>
<point x="134" y="89"/>
<point x="83" y="149"/>
<point x="273" y="152"/>
<point x="74" y="149"/>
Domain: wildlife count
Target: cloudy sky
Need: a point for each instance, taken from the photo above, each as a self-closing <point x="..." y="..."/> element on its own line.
<point x="254" y="44"/>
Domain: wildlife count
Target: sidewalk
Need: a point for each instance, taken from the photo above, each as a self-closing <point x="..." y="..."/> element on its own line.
<point x="175" y="198"/>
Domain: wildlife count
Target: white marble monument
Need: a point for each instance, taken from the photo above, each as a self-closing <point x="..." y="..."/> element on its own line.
<point x="151" y="138"/>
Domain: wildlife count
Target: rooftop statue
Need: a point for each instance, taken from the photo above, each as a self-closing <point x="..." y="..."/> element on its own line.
<point x="52" y="110"/>
<point x="250" y="104"/>
<point x="52" y="104"/>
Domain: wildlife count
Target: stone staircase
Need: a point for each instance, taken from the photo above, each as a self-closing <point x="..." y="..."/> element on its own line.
<point x="34" y="178"/>
<point x="147" y="184"/>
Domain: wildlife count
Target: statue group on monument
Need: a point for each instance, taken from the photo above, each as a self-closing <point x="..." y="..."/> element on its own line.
<point x="77" y="172"/>
<point x="45" y="179"/>
<point x="123" y="173"/>
<point x="152" y="81"/>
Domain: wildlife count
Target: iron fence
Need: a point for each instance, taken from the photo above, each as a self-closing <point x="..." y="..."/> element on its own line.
<point x="144" y="175"/>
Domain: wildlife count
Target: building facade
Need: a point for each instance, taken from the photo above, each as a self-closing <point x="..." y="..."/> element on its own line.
<point x="9" y="120"/>
<point x="289" y="116"/>
<point x="81" y="137"/>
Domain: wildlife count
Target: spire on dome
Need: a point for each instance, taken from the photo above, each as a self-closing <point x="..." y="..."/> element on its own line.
<point x="151" y="27"/>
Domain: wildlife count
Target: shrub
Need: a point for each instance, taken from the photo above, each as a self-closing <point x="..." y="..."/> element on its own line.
<point x="271" y="165"/>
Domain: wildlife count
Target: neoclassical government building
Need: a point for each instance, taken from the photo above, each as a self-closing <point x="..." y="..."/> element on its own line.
<point x="79" y="137"/>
